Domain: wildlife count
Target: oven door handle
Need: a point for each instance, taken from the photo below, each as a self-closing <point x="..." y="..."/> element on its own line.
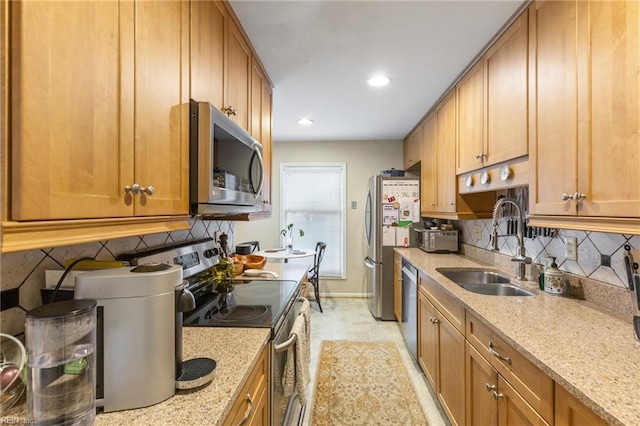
<point x="292" y="338"/>
<point x="285" y="345"/>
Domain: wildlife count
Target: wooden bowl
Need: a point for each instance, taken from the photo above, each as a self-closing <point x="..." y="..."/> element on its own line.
<point x="239" y="268"/>
<point x="250" y="261"/>
<point x="254" y="261"/>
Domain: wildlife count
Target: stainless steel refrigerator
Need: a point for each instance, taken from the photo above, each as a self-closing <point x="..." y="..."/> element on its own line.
<point x="392" y="207"/>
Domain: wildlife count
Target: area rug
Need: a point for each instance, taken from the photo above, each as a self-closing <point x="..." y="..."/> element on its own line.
<point x="363" y="383"/>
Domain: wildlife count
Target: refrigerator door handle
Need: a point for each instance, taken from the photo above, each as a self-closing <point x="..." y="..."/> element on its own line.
<point x="369" y="263"/>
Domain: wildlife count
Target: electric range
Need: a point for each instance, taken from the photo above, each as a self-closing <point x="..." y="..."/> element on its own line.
<point x="245" y="303"/>
<point x="273" y="304"/>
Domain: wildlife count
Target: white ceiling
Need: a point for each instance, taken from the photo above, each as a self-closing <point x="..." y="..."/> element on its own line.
<point x="319" y="55"/>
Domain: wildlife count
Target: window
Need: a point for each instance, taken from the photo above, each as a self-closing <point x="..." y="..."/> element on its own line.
<point x="313" y="199"/>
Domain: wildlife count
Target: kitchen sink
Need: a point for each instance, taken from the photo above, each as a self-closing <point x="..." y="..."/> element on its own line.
<point x="483" y="281"/>
<point x="496" y="289"/>
<point x="473" y="276"/>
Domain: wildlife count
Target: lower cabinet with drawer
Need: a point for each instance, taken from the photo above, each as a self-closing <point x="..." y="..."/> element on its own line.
<point x="441" y="347"/>
<point x="479" y="378"/>
<point x="251" y="407"/>
<point x="503" y="387"/>
<point x="491" y="400"/>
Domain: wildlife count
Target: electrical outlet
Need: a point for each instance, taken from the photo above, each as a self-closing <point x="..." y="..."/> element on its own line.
<point x="571" y="248"/>
<point x="354" y="205"/>
<point x="477" y="232"/>
<point x="605" y="260"/>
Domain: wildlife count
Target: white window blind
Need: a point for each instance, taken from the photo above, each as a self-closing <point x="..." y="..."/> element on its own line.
<point x="313" y="199"/>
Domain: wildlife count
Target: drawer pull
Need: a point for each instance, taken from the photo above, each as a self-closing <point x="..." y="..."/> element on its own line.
<point x="247" y="414"/>
<point x="490" y="387"/>
<point x="497" y="355"/>
<point x="497" y="395"/>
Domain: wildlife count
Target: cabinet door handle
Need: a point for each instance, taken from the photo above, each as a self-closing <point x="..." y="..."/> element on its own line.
<point x="247" y="413"/>
<point x="433" y="204"/>
<point x="137" y="189"/>
<point x="579" y="196"/>
<point x="497" y="355"/>
<point x="452" y="204"/>
<point x="149" y="190"/>
<point x="229" y="111"/>
<point x="497" y="395"/>
<point x="566" y="197"/>
<point x="434" y="320"/>
<point x="490" y="387"/>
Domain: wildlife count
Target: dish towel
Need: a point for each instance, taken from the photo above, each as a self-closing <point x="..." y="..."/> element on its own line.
<point x="296" y="369"/>
<point x="305" y="311"/>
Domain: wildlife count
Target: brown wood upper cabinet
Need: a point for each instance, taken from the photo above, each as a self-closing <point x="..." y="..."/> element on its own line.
<point x="85" y="127"/>
<point x="412" y="149"/>
<point x="226" y="73"/>
<point x="221" y="61"/>
<point x="492" y="103"/>
<point x="261" y="125"/>
<point x="208" y="35"/>
<point x="585" y="129"/>
<point x="438" y="176"/>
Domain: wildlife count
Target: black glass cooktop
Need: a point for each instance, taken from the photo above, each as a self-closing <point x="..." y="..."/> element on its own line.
<point x="254" y="303"/>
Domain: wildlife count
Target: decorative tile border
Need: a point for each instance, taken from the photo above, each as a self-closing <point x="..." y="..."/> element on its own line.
<point x="25" y="270"/>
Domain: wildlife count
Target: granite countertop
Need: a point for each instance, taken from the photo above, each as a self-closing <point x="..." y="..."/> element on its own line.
<point x="236" y="351"/>
<point x="591" y="353"/>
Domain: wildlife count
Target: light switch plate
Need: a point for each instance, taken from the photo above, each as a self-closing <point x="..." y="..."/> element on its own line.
<point x="571" y="248"/>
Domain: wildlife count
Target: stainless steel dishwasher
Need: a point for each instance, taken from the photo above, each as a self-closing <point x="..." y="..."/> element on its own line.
<point x="410" y="307"/>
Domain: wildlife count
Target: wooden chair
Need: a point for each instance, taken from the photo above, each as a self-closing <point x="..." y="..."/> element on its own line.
<point x="313" y="276"/>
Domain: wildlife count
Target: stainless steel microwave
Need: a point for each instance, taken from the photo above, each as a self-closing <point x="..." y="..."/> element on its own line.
<point x="226" y="169"/>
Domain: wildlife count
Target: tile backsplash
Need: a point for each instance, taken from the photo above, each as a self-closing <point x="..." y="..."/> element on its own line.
<point x="25" y="271"/>
<point x="587" y="277"/>
<point x="591" y="247"/>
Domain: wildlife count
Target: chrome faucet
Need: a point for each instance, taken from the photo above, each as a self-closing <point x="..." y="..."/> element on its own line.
<point x="520" y="257"/>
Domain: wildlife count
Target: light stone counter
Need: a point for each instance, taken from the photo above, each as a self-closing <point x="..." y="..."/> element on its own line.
<point x="589" y="352"/>
<point x="235" y="350"/>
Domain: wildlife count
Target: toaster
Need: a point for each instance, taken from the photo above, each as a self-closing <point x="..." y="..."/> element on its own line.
<point x="439" y="241"/>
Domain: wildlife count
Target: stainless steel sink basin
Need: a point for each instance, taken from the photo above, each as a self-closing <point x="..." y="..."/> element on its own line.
<point x="496" y="289"/>
<point x="473" y="276"/>
<point x="483" y="281"/>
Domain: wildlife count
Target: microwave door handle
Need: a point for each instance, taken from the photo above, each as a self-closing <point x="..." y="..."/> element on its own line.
<point x="256" y="153"/>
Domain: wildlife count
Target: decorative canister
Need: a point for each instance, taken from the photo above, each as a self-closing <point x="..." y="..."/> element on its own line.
<point x="554" y="279"/>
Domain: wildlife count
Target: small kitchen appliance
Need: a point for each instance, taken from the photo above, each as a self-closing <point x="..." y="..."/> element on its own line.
<point x="226" y="170"/>
<point x="136" y="333"/>
<point x="438" y="241"/>
<point x="633" y="278"/>
<point x="61" y="368"/>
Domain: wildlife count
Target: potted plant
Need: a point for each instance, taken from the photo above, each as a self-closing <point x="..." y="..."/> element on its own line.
<point x="288" y="234"/>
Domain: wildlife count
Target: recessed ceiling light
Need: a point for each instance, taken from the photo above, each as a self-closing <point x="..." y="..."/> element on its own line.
<point x="305" y="121"/>
<point x="378" y="81"/>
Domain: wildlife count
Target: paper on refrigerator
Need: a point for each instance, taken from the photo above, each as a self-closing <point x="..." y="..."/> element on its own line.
<point x="400" y="209"/>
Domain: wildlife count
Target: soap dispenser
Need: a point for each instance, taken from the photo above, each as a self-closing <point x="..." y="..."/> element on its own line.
<point x="554" y="279"/>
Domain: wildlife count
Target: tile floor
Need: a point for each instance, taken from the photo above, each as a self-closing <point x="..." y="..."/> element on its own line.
<point x="350" y="319"/>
